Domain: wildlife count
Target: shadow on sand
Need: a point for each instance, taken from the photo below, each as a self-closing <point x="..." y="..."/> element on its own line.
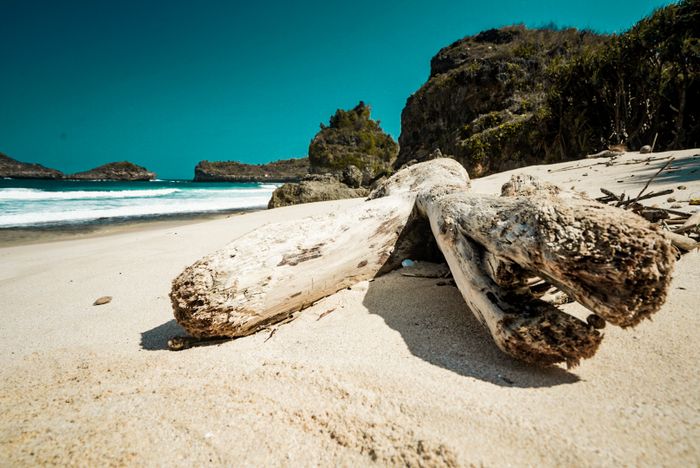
<point x="437" y="327"/>
<point x="684" y="170"/>
<point x="157" y="338"/>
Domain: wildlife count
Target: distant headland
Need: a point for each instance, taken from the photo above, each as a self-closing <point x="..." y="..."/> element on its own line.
<point x="121" y="171"/>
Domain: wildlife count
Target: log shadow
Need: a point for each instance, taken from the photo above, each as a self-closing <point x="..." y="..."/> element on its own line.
<point x="683" y="170"/>
<point x="437" y="327"/>
<point x="156" y="339"/>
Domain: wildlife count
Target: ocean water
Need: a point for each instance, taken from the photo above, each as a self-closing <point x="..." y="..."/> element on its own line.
<point x="48" y="203"/>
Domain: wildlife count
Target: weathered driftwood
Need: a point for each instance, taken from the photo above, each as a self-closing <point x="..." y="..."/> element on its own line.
<point x="279" y="269"/>
<point x="609" y="260"/>
<point x="612" y="263"/>
<point x="266" y="275"/>
<point x="521" y="325"/>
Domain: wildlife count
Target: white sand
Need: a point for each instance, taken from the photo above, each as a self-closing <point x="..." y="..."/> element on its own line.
<point x="398" y="373"/>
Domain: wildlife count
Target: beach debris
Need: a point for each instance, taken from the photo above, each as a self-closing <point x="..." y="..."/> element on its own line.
<point x="406" y="263"/>
<point x="505" y="253"/>
<point x="102" y="300"/>
<point x="672" y="220"/>
<point x="605" y="154"/>
<point x="273" y="327"/>
<point x="325" y="313"/>
<point x="273" y="330"/>
<point x="645" y="149"/>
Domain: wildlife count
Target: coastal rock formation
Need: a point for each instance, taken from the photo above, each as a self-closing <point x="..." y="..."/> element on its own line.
<point x="345" y="157"/>
<point x="287" y="170"/>
<point x="123" y="170"/>
<point x="19" y="170"/>
<point x="484" y="98"/>
<point x="353" y="138"/>
<point x="513" y="96"/>
<point x="314" y="188"/>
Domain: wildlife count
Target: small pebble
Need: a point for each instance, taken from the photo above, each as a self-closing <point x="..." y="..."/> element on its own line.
<point x="675" y="206"/>
<point x="671" y="199"/>
<point x="102" y="300"/>
<point x="681" y="187"/>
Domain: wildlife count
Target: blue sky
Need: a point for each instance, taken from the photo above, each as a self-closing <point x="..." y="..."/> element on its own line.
<point x="166" y="84"/>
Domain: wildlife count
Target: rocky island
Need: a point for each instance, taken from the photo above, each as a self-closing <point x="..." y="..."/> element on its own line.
<point x="346" y="157"/>
<point x="123" y="171"/>
<point x="286" y="170"/>
<point x="19" y="170"/>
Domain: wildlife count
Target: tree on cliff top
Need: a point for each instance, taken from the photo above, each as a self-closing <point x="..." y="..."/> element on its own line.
<point x="353" y="138"/>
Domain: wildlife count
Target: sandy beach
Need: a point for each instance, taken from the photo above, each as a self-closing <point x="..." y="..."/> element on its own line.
<point x="395" y="371"/>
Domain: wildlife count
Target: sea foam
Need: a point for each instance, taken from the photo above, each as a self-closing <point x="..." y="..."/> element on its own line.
<point x="35" y="194"/>
<point x="66" y="204"/>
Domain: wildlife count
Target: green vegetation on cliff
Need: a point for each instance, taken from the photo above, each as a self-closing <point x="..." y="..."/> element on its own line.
<point x="352" y="138"/>
<point x="513" y="96"/>
<point x="643" y="82"/>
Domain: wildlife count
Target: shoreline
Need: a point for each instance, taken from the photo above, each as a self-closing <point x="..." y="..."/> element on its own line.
<point x="30" y="235"/>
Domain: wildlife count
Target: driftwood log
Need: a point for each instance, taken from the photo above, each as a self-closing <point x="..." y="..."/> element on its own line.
<point x="611" y="261"/>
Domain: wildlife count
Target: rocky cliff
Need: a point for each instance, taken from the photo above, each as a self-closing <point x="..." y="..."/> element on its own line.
<point x="484" y="97"/>
<point x="286" y="170"/>
<point x="19" y="170"/>
<point x="353" y="138"/>
<point x="513" y="96"/>
<point x="123" y="170"/>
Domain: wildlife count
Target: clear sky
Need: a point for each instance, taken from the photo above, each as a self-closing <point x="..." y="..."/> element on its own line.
<point x="167" y="83"/>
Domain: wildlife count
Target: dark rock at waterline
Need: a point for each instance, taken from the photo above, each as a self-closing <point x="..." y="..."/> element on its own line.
<point x="314" y="188"/>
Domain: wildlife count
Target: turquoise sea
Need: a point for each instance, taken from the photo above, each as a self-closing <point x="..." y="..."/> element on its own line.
<point x="49" y="203"/>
